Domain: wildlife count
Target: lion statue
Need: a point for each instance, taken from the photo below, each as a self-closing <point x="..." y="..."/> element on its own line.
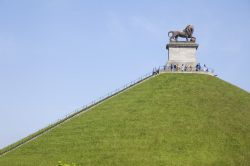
<point x="186" y="33"/>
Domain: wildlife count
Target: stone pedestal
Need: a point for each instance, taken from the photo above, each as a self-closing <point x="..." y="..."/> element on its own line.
<point x="182" y="53"/>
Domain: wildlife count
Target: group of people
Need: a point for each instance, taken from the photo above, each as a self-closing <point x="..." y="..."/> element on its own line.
<point x="181" y="67"/>
<point x="186" y="67"/>
<point x="198" y="67"/>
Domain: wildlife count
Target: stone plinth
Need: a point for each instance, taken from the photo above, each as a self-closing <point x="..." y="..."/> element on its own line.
<point x="182" y="53"/>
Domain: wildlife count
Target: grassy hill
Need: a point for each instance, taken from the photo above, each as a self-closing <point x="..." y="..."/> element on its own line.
<point x="170" y="119"/>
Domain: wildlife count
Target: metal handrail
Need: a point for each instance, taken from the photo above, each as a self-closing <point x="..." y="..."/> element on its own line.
<point x="74" y="113"/>
<point x="193" y="69"/>
<point x="86" y="107"/>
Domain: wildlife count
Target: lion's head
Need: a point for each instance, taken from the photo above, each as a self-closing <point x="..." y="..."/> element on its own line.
<point x="189" y="30"/>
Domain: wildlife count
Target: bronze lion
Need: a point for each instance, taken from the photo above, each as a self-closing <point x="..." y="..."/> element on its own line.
<point x="186" y="33"/>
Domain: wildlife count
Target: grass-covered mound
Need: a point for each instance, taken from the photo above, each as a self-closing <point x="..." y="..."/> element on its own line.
<point x="170" y="119"/>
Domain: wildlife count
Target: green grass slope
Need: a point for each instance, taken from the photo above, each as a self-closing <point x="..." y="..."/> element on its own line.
<point x="170" y="119"/>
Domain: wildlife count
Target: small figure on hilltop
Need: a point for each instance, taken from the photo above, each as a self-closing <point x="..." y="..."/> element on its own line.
<point x="186" y="33"/>
<point x="198" y="67"/>
<point x="205" y="68"/>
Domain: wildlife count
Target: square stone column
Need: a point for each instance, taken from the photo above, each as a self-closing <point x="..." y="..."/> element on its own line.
<point x="182" y="52"/>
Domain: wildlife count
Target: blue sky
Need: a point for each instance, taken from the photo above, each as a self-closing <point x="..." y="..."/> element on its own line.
<point x="58" y="55"/>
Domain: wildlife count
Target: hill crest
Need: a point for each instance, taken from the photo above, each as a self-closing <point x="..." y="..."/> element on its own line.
<point x="185" y="119"/>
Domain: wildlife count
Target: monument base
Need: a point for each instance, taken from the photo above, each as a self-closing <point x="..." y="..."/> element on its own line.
<point x="182" y="52"/>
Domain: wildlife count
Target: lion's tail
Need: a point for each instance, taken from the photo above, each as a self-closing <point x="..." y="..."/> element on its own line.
<point x="171" y="33"/>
